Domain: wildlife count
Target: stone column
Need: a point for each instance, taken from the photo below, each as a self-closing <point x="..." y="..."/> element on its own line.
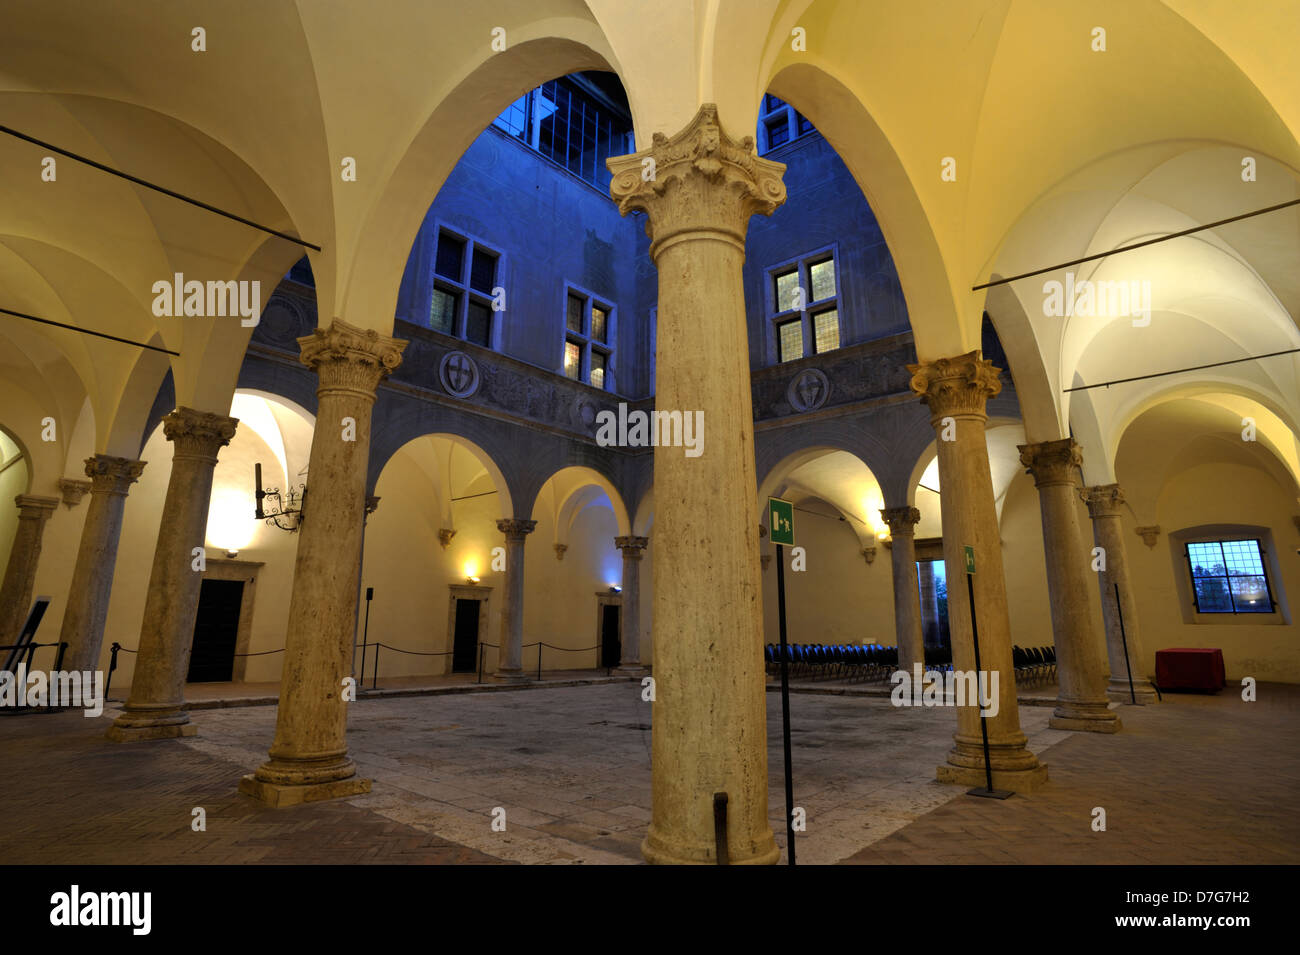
<point x="1104" y="503"/>
<point x="633" y="549"/>
<point x="155" y="708"/>
<point x="309" y="758"/>
<point x="510" y="666"/>
<point x="1081" y="703"/>
<point x="956" y="390"/>
<point x="907" y="596"/>
<point x="20" y="572"/>
<point x="92" y="576"/>
<point x="699" y="190"/>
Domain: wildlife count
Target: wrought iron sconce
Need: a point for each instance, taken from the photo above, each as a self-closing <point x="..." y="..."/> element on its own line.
<point x="287" y="511"/>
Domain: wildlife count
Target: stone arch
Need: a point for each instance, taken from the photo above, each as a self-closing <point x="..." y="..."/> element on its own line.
<point x="845" y="479"/>
<point x="554" y="48"/>
<point x="576" y="488"/>
<point x="846" y="123"/>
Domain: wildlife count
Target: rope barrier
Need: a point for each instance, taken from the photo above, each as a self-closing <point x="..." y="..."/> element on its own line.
<point x="417" y="653"/>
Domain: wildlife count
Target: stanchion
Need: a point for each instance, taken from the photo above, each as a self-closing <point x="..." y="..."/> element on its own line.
<point x="989" y="792"/>
<point x="481" y="650"/>
<point x="720" y="829"/>
<point x="785" y="704"/>
<point x="1119" y="611"/>
<point x="112" y="665"/>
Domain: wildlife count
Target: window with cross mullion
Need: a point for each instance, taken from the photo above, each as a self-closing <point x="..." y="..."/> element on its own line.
<point x="465" y="284"/>
<point x="803" y="306"/>
<point x="588" y="338"/>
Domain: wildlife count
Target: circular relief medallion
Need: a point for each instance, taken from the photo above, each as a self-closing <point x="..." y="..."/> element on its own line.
<point x="808" y="390"/>
<point x="458" y="374"/>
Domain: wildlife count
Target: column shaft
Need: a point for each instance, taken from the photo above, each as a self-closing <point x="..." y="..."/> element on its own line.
<point x="907" y="596"/>
<point x="510" y="662"/>
<point x="20" y="571"/>
<point x="155" y="708"/>
<point x="956" y="390"/>
<point x="309" y="757"/>
<point x="709" y="727"/>
<point x="92" y="575"/>
<point x="633" y="549"/>
<point x="1080" y="663"/>
<point x="1104" y="503"/>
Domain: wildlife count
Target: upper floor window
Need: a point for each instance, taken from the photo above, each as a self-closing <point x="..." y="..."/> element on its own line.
<point x="575" y="122"/>
<point x="779" y="123"/>
<point x="465" y="280"/>
<point x="1229" y="576"/>
<point x="588" y="338"/>
<point x="803" y="304"/>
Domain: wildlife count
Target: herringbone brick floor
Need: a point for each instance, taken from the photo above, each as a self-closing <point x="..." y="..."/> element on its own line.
<point x="1197" y="779"/>
<point x="70" y="797"/>
<point x="1194" y="780"/>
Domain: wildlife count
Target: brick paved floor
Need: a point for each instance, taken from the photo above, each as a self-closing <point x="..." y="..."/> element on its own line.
<point x="72" y="797"/>
<point x="1198" y="779"/>
<point x="1195" y="780"/>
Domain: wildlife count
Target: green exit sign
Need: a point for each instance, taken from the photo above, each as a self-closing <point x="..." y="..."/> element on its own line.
<point x="781" y="525"/>
<point x="970" y="559"/>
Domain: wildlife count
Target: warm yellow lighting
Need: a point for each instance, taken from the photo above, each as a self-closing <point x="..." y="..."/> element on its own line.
<point x="471" y="570"/>
<point x="231" y="525"/>
<point x="472" y="580"/>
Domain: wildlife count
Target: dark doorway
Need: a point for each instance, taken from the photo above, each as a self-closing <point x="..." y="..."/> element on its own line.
<point x="464" y="649"/>
<point x="611" y="647"/>
<point x="216" y="628"/>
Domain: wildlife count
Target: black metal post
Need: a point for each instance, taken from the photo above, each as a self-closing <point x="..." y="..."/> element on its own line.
<point x="720" y="828"/>
<point x="481" y="650"/>
<point x="984" y="727"/>
<point x="112" y="665"/>
<point x="785" y="703"/>
<point x="1119" y="612"/>
<point x="58" y="659"/>
<point x="539" y="659"/>
<point x="374" y="681"/>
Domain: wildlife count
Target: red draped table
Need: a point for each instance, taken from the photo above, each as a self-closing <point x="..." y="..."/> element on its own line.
<point x="1190" y="669"/>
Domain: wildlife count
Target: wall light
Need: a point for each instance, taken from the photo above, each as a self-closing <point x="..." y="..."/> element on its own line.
<point x="472" y="580"/>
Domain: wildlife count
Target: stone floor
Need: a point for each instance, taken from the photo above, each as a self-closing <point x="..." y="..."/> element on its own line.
<point x="1195" y="779"/>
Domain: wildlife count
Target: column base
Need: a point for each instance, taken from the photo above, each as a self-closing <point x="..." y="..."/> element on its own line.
<point x="632" y="669"/>
<point x="660" y="851"/>
<point x="1014" y="780"/>
<point x="511" y="676"/>
<point x="119" y="733"/>
<point x="280" y="795"/>
<point x="1084" y="717"/>
<point x="1117" y="692"/>
<point x="1085" y="725"/>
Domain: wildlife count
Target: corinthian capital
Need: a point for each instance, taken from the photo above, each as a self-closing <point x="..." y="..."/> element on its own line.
<point x="901" y="521"/>
<point x="515" y="529"/>
<point x="1103" y="500"/>
<point x="631" y="546"/>
<point x="110" y="475"/>
<point x="955" y="386"/>
<point x="198" y="433"/>
<point x="700" y="180"/>
<point x="351" y="358"/>
<point x="1051" y="462"/>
